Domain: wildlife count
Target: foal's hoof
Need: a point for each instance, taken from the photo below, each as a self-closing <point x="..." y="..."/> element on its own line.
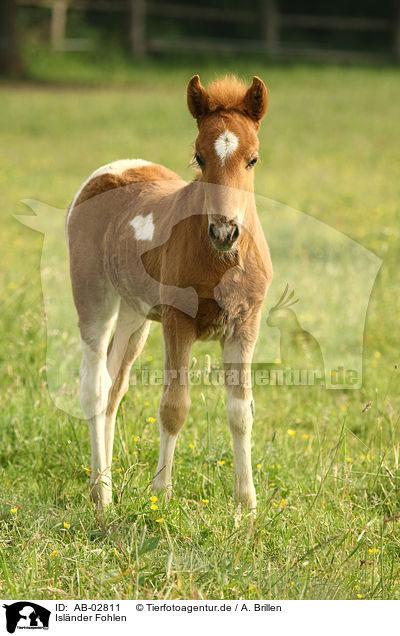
<point x="245" y="508"/>
<point x="101" y="495"/>
<point x="246" y="501"/>
<point x="164" y="491"/>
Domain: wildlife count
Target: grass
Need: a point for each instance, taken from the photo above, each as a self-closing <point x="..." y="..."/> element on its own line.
<point x="326" y="473"/>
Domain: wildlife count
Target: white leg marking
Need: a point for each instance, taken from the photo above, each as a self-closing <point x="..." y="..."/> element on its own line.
<point x="95" y="381"/>
<point x="95" y="384"/>
<point x="225" y="145"/>
<point x="143" y="227"/>
<point x="164" y="467"/>
<point x="240" y="419"/>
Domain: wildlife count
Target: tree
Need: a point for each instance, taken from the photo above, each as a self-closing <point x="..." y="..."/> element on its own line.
<point x="10" y="60"/>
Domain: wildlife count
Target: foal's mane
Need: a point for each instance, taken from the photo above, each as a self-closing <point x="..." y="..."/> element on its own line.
<point x="226" y="93"/>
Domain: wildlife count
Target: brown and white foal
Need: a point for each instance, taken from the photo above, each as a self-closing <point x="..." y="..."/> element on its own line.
<point x="144" y="246"/>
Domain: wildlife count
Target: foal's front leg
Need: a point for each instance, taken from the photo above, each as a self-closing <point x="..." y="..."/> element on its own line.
<point x="240" y="410"/>
<point x="175" y="402"/>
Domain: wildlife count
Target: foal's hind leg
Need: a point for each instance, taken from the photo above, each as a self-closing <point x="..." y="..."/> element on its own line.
<point x="129" y="338"/>
<point x="95" y="385"/>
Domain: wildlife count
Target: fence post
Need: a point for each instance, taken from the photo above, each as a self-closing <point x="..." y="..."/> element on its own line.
<point x="58" y="24"/>
<point x="138" y="28"/>
<point x="10" y="59"/>
<point x="396" y="30"/>
<point x="270" y="26"/>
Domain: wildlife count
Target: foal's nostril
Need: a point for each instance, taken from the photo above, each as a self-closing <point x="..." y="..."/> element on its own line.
<point x="223" y="236"/>
<point x="211" y="232"/>
<point x="235" y="233"/>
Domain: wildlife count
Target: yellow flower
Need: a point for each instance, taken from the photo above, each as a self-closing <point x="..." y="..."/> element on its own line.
<point x="273" y="466"/>
<point x="349" y="460"/>
<point x="221" y="462"/>
<point x="278" y="466"/>
<point x="66" y="525"/>
<point x="154" y="507"/>
<point x="374" y="363"/>
<point x="263" y="531"/>
<point x="191" y="446"/>
<point x="283" y="503"/>
<point x="362" y="457"/>
<point x="149" y="358"/>
<point x="377" y="354"/>
<point x="205" y="500"/>
<point x="359" y="595"/>
<point x="231" y="464"/>
<point x="277" y="361"/>
<point x="147" y="403"/>
<point x="305" y="436"/>
<point x="115" y="459"/>
<point x="118" y="470"/>
<point x="14" y="511"/>
<point x="160" y="520"/>
<point x="151" y="420"/>
<point x="291" y="432"/>
<point x="343" y="408"/>
<point x="153" y="499"/>
<point x="53" y="554"/>
<point x="135" y="439"/>
<point x="373" y="551"/>
<point x="258" y="466"/>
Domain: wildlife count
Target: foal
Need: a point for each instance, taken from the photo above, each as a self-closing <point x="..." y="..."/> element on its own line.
<point x="144" y="246"/>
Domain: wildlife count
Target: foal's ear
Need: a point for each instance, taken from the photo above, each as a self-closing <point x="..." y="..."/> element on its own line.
<point x="197" y="97"/>
<point x="256" y="99"/>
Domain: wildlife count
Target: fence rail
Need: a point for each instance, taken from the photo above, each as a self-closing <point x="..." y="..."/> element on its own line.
<point x="272" y="22"/>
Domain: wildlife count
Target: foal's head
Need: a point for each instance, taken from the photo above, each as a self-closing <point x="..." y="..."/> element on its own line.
<point x="226" y="150"/>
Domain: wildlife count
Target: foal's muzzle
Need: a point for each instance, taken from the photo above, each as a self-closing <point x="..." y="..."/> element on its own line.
<point x="223" y="235"/>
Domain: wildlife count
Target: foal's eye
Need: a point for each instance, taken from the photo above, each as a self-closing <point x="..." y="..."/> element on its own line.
<point x="252" y="163"/>
<point x="199" y="160"/>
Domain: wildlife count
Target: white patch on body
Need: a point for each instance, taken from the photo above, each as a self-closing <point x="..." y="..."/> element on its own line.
<point x="116" y="167"/>
<point x="143" y="227"/>
<point x="226" y="145"/>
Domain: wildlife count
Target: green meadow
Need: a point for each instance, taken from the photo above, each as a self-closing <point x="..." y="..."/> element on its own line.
<point x="326" y="466"/>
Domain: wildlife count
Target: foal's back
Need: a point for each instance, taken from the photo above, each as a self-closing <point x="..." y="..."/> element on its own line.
<point x="116" y="211"/>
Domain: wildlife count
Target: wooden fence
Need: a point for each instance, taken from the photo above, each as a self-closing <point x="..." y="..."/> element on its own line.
<point x="271" y="20"/>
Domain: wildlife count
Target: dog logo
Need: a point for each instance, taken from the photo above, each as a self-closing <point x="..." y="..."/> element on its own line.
<point x="26" y="615"/>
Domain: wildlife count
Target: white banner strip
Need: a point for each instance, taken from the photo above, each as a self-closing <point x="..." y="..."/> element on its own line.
<point x="182" y="617"/>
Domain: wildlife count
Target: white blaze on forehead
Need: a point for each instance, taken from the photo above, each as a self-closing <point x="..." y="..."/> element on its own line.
<point x="143" y="226"/>
<point x="226" y="145"/>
